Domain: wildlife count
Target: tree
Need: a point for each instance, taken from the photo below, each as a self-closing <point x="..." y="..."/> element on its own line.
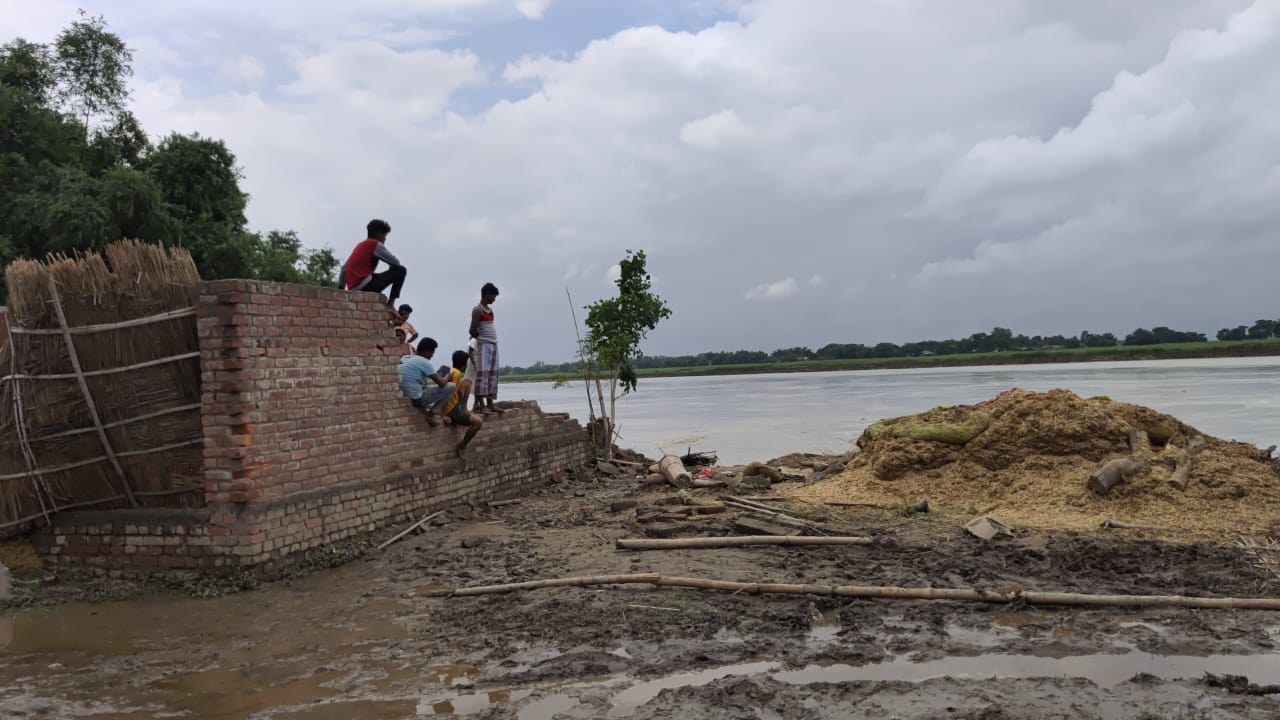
<point x="1240" y="332"/>
<point x="93" y="68"/>
<point x="77" y="170"/>
<point x="1262" y="329"/>
<point x="615" y="328"/>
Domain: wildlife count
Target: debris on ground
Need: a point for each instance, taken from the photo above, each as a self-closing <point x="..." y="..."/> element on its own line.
<point x="1031" y="456"/>
<point x="986" y="527"/>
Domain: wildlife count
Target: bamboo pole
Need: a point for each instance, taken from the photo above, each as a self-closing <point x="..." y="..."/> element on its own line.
<point x="409" y="529"/>
<point x="737" y="541"/>
<point x="20" y="427"/>
<point x="81" y="463"/>
<point x="107" y="371"/>
<point x="88" y="329"/>
<point x="739" y="504"/>
<point x="121" y="423"/>
<point x="651" y="578"/>
<point x="901" y="593"/>
<point x="88" y="396"/>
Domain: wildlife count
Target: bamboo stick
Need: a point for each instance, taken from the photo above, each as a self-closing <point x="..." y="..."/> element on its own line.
<point x="100" y="458"/>
<point x="88" y="396"/>
<point x="831" y="503"/>
<point x="409" y="529"/>
<point x="739" y="504"/>
<point x="871" y="591"/>
<point x="651" y="578"/>
<point x="737" y="541"/>
<point x="107" y="371"/>
<point x="87" y="329"/>
<point x="121" y="423"/>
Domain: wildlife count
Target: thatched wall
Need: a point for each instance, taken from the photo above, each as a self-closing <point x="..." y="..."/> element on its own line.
<point x="136" y="439"/>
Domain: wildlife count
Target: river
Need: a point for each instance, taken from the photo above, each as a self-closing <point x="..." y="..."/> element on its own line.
<point x="756" y="417"/>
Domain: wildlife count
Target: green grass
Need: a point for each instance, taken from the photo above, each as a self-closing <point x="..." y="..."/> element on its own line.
<point x="1216" y="349"/>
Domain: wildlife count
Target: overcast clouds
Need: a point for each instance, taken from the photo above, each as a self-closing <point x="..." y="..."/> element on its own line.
<point x="799" y="171"/>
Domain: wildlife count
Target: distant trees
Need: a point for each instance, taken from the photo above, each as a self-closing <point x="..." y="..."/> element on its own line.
<point x="998" y="340"/>
<point x="1161" y="334"/>
<point x="77" y="171"/>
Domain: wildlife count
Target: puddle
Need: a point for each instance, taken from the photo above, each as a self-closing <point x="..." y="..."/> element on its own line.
<point x="1106" y="671"/>
<point x="824" y="632"/>
<point x="547" y="707"/>
<point x="625" y="702"/>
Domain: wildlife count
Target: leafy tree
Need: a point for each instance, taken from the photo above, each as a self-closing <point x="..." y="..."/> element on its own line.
<point x="1262" y="329"/>
<point x="93" y="68"/>
<point x="1240" y="332"/>
<point x="78" y="171"/>
<point x="615" y="328"/>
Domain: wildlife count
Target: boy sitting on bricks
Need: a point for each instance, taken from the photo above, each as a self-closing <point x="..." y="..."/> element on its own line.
<point x="427" y="388"/>
<point x="455" y="411"/>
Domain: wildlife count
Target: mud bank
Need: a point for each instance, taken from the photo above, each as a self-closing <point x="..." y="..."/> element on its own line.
<point x="369" y="640"/>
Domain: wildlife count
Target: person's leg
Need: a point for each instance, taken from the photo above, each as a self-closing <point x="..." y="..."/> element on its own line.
<point x="390" y="278"/>
<point x="460" y="416"/>
<point x="493" y="385"/>
<point x="486" y="377"/>
<point x="464" y="391"/>
<point x="438" y="396"/>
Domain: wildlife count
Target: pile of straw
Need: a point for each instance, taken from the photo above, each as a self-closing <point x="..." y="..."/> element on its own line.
<point x="47" y="423"/>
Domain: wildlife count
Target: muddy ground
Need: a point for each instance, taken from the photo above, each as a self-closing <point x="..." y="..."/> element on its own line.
<point x="368" y="640"/>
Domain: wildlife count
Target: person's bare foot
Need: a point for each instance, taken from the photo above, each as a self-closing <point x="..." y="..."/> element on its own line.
<point x="495" y="410"/>
<point x="460" y="450"/>
<point x="432" y="420"/>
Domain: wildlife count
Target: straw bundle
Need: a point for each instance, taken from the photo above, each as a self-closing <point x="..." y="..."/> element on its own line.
<point x="112" y="434"/>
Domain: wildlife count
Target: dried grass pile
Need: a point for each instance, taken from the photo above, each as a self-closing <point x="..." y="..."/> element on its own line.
<point x="1028" y="456"/>
<point x="51" y="453"/>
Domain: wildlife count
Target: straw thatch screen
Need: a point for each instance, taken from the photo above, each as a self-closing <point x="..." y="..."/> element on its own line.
<point x="100" y="396"/>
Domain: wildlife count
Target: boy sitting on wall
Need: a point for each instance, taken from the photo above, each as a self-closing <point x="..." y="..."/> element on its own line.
<point x="455" y="411"/>
<point x="427" y="388"/>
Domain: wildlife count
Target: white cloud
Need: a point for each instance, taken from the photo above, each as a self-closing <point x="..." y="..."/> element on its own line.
<point x="613" y="273"/>
<point x="714" y="131"/>
<point x="773" y="290"/>
<point x="967" y="164"/>
<point x="532" y="9"/>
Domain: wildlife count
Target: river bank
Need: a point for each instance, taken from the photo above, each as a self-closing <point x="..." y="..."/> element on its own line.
<point x="1169" y="351"/>
<point x="371" y="639"/>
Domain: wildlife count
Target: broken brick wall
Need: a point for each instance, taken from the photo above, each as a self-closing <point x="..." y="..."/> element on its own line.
<point x="307" y="441"/>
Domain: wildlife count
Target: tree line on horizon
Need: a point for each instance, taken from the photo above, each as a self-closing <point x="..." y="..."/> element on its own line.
<point x="998" y="340"/>
<point x="77" y="171"/>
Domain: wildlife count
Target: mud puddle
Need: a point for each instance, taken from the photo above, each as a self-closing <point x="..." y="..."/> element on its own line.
<point x="1103" y="670"/>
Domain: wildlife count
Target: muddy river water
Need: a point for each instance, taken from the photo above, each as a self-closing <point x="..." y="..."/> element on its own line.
<point x="738" y="415"/>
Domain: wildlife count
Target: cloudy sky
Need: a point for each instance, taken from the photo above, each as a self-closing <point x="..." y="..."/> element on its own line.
<point x="799" y="171"/>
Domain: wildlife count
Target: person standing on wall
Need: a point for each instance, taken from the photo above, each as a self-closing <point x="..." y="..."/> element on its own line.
<point x="358" y="274"/>
<point x="486" y="352"/>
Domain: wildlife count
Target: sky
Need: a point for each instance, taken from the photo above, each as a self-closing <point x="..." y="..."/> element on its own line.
<point x="799" y="172"/>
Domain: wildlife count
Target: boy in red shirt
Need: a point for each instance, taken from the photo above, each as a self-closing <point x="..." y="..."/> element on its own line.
<point x="358" y="271"/>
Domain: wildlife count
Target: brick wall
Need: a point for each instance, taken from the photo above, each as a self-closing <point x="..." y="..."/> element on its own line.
<point x="307" y="440"/>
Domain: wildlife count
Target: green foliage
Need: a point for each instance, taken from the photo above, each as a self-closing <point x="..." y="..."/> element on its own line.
<point x="617" y="325"/>
<point x="93" y="67"/>
<point x="77" y="171"/>
<point x="208" y="584"/>
<point x="328" y="556"/>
